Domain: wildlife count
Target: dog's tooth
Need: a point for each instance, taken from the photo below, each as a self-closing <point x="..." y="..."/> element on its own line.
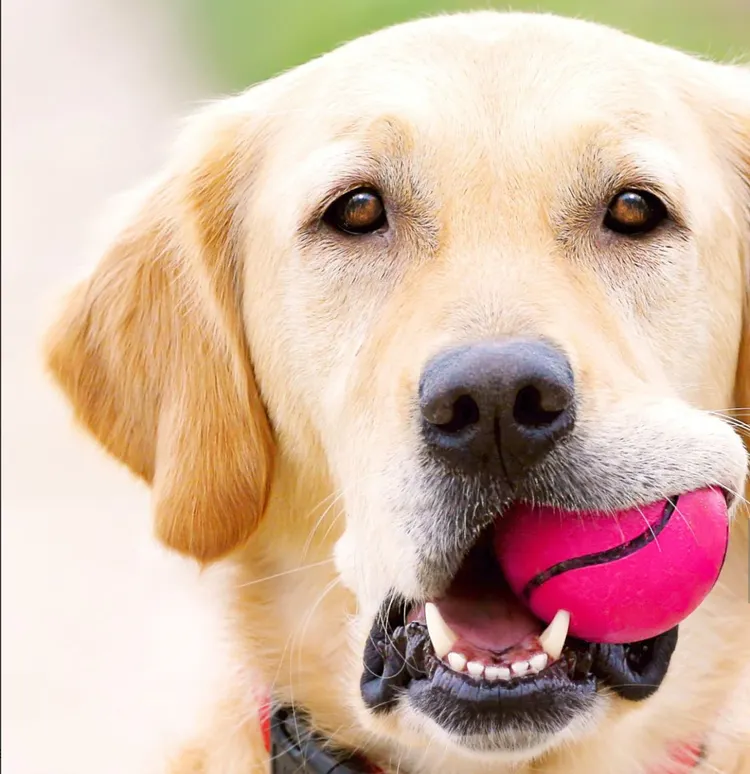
<point x="475" y="669"/>
<point x="520" y="668"/>
<point x="443" y="639"/>
<point x="553" y="637"/>
<point x="457" y="662"/>
<point x="538" y="662"/>
<point x="496" y="673"/>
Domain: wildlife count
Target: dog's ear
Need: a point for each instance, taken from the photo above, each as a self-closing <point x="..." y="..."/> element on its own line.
<point x="737" y="112"/>
<point x="724" y="98"/>
<point x="152" y="354"/>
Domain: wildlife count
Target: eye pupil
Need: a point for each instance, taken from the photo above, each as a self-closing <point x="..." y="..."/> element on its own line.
<point x="362" y="209"/>
<point x="634" y="212"/>
<point x="358" y="212"/>
<point x="631" y="208"/>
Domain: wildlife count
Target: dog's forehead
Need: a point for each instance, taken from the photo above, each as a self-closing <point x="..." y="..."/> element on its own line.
<point x="489" y="81"/>
<point x="519" y="111"/>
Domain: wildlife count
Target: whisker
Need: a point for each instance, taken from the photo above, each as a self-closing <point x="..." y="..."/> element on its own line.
<point x="686" y="522"/>
<point x="334" y="497"/>
<point x="285" y="573"/>
<point x="308" y="618"/>
<point x="650" y="528"/>
<point x="739" y="496"/>
<point x="298" y="636"/>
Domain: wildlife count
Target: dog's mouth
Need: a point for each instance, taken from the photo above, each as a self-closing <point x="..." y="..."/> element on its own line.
<point x="478" y="663"/>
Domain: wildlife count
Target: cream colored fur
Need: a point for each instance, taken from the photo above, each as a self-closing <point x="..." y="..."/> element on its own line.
<point x="258" y="370"/>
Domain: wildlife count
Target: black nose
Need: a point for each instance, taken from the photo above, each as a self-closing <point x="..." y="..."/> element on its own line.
<point x="497" y="406"/>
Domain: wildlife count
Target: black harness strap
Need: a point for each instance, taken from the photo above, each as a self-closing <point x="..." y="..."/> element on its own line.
<point x="296" y="749"/>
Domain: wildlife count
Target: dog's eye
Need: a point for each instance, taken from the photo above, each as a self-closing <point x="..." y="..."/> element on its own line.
<point x="634" y="212"/>
<point x="360" y="211"/>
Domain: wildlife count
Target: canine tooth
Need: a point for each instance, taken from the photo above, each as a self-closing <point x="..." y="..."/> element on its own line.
<point x="475" y="669"/>
<point x="497" y="673"/>
<point x="443" y="639"/>
<point x="553" y="637"/>
<point x="520" y="668"/>
<point x="456" y="662"/>
<point x="538" y="662"/>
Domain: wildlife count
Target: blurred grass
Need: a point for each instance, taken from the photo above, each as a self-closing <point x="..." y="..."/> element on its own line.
<point x="243" y="41"/>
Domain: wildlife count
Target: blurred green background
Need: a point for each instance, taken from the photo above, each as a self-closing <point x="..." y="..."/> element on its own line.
<point x="243" y="41"/>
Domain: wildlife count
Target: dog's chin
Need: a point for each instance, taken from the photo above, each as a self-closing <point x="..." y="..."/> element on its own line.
<point x="516" y="724"/>
<point x="509" y="745"/>
<point x="415" y="728"/>
<point x="517" y="719"/>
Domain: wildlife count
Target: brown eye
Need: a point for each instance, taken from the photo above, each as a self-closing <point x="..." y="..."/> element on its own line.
<point x="358" y="212"/>
<point x="634" y="212"/>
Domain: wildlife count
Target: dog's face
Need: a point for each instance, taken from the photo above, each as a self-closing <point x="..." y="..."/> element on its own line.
<point x="457" y="265"/>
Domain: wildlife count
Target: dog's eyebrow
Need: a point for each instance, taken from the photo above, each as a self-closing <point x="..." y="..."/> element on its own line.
<point x="648" y="163"/>
<point x="606" y="167"/>
<point x="371" y="150"/>
<point x="345" y="165"/>
<point x="342" y="166"/>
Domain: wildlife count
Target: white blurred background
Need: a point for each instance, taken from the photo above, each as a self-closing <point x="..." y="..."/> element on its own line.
<point x="104" y="635"/>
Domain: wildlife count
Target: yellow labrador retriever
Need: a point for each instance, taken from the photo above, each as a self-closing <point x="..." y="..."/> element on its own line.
<point x="455" y="265"/>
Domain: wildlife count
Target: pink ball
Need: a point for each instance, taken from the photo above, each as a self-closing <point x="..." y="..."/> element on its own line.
<point x="623" y="577"/>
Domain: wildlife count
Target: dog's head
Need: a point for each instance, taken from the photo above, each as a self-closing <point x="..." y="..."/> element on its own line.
<point x="375" y="302"/>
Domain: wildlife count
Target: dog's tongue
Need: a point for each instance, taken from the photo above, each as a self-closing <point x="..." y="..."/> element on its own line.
<point x="493" y="621"/>
<point x="483" y="612"/>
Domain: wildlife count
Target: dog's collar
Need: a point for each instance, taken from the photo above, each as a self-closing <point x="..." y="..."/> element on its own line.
<point x="294" y="748"/>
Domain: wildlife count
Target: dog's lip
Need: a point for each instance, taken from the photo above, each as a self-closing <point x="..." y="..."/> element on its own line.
<point x="469" y="708"/>
<point x="399" y="661"/>
<point x="403" y="661"/>
<point x="729" y="495"/>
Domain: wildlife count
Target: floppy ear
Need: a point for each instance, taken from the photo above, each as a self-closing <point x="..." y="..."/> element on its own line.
<point x="151" y="350"/>
<point x="726" y="95"/>
<point x="738" y="114"/>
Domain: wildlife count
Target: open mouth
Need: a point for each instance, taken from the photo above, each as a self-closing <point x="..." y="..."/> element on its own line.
<point x="478" y="662"/>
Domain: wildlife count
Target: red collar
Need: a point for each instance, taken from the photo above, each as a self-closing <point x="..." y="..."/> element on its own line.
<point x="684" y="758"/>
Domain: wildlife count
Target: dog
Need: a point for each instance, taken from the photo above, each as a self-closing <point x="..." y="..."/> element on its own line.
<point x="370" y="304"/>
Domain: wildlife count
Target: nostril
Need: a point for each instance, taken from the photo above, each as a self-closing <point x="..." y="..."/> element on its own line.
<point x="496" y="406"/>
<point x="529" y="409"/>
<point x="463" y="413"/>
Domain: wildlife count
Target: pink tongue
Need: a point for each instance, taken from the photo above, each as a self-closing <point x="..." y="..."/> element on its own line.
<point x="493" y="622"/>
<point x="483" y="611"/>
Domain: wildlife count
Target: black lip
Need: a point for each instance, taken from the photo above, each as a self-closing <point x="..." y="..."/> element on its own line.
<point x="469" y="708"/>
<point x="399" y="662"/>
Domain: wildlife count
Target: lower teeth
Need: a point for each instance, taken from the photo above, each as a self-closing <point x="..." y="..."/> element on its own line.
<point x="534" y="664"/>
<point x="397" y="654"/>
